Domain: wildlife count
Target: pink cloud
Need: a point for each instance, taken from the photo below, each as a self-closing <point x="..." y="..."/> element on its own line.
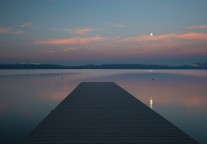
<point x="116" y="25"/>
<point x="10" y="31"/>
<point x="79" y="31"/>
<point x="198" y="27"/>
<point x="171" y="45"/>
<point x="151" y="38"/>
<point x="69" y="49"/>
<point x="4" y="30"/>
<point x="193" y="36"/>
<point x="18" y="32"/>
<point x="26" y="24"/>
<point x="75" y="40"/>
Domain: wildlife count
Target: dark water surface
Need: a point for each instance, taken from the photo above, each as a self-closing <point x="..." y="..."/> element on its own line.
<point x="27" y="96"/>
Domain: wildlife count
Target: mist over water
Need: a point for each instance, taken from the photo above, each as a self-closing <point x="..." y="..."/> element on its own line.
<point x="27" y="96"/>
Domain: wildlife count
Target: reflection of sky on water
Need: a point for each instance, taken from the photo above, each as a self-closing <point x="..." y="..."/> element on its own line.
<point x="26" y="97"/>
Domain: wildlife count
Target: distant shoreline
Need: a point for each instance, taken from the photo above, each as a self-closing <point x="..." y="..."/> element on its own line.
<point x="103" y="66"/>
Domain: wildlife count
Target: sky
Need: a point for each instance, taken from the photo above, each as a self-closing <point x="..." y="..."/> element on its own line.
<point x="79" y="32"/>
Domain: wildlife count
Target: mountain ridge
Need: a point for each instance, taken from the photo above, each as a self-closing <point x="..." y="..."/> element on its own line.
<point x="102" y="66"/>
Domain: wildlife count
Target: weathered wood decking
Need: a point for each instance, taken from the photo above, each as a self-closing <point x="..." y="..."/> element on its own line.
<point x="104" y="113"/>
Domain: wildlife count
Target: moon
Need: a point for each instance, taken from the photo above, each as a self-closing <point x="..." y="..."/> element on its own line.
<point x="151" y="34"/>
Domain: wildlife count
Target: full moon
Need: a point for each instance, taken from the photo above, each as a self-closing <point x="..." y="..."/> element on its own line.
<point x="151" y="34"/>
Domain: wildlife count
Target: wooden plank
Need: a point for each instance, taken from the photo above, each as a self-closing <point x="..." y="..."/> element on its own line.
<point x="104" y="113"/>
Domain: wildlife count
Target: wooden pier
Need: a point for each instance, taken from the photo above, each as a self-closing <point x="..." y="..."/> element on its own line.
<point x="104" y="113"/>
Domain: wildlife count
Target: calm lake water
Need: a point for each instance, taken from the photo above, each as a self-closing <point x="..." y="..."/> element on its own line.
<point x="27" y="96"/>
